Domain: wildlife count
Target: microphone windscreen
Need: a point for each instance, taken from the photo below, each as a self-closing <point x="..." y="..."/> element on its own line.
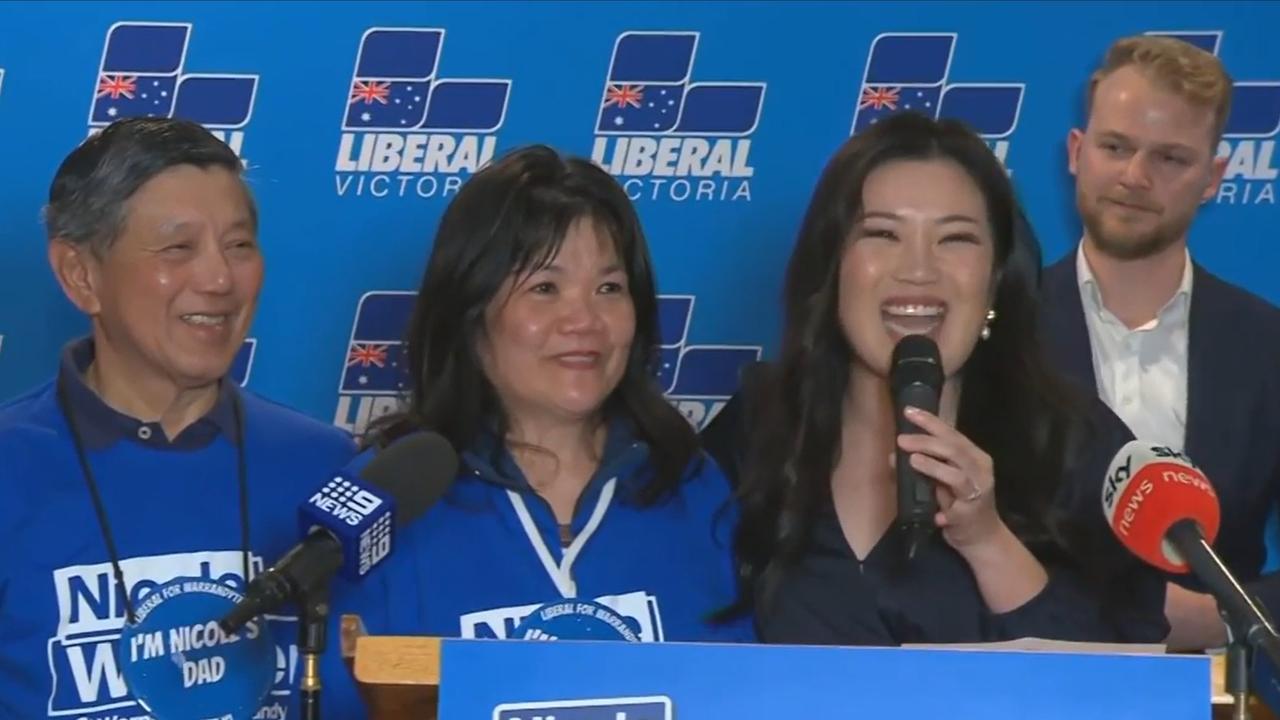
<point x="1148" y="488"/>
<point x="415" y="470"/>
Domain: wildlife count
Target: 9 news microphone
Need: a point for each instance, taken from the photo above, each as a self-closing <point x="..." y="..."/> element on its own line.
<point x="348" y="525"/>
<point x="915" y="379"/>
<point x="1165" y="511"/>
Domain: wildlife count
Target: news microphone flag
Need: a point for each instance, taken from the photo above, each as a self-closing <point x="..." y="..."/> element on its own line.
<point x="1148" y="488"/>
<point x="360" y="515"/>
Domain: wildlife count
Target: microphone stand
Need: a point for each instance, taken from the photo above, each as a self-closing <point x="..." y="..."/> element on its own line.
<point x="313" y="625"/>
<point x="1248" y="628"/>
<point x="1238" y="663"/>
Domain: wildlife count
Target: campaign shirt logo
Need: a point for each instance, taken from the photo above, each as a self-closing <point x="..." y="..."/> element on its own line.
<point x="698" y="379"/>
<point x="637" y="611"/>
<point x="86" y="675"/>
<point x="575" y="619"/>
<point x="179" y="663"/>
<point x="1249" y="138"/>
<point x="668" y="137"/>
<point x="911" y="71"/>
<point x="142" y="74"/>
<point x="407" y="131"/>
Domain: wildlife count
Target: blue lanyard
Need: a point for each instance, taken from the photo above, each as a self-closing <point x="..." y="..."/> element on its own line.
<point x="101" y="511"/>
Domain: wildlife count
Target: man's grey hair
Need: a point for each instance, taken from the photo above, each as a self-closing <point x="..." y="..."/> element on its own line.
<point x="92" y="186"/>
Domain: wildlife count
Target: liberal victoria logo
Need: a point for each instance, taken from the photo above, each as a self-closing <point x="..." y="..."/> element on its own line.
<point x="373" y="377"/>
<point x="665" y="136"/>
<point x="1249" y="139"/>
<point x="697" y="379"/>
<point x="407" y="131"/>
<point x="909" y="71"/>
<point x="142" y="75"/>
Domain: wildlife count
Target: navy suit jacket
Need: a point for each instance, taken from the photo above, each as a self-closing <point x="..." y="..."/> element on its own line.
<point x="1233" y="404"/>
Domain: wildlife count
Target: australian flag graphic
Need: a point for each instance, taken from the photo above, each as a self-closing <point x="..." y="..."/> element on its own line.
<point x="909" y="71"/>
<point x="395" y="87"/>
<point x="141" y="75"/>
<point x="649" y="91"/>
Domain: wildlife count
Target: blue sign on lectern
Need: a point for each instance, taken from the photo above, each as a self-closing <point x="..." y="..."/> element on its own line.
<point x="650" y="708"/>
<point x="586" y="680"/>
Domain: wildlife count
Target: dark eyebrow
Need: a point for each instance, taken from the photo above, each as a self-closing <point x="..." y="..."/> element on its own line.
<point x="876" y="214"/>
<point x="1114" y="135"/>
<point x="954" y="217"/>
<point x="556" y="268"/>
<point x="175" y="227"/>
<point x="957" y="217"/>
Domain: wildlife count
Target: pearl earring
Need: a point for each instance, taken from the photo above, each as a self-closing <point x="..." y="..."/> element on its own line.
<point x="986" y="327"/>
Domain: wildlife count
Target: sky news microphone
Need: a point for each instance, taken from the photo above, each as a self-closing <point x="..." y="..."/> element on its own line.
<point x="1165" y="511"/>
<point x="348" y="525"/>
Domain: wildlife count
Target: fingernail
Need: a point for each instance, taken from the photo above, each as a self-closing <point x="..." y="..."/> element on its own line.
<point x="911" y="410"/>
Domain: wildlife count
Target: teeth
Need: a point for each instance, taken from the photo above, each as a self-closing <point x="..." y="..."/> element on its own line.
<point x="914" y="310"/>
<point x="202" y="319"/>
<point x="905" y="326"/>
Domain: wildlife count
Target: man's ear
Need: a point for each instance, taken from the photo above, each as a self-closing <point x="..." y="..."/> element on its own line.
<point x="1075" y="139"/>
<point x="1217" y="169"/>
<point x="77" y="271"/>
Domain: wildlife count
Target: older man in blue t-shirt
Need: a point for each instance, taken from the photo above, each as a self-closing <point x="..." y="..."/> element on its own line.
<point x="140" y="461"/>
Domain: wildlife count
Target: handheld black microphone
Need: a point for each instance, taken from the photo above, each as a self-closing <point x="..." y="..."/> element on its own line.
<point x="348" y="524"/>
<point x="915" y="379"/>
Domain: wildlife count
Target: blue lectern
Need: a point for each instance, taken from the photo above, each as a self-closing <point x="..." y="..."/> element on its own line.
<point x="577" y="680"/>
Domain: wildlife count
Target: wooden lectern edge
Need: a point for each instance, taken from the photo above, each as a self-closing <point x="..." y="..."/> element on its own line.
<point x="393" y="660"/>
<point x="398" y="677"/>
<point x="390" y="660"/>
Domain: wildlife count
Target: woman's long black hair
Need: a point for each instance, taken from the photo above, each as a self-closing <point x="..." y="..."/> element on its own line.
<point x="1012" y="404"/>
<point x="512" y="218"/>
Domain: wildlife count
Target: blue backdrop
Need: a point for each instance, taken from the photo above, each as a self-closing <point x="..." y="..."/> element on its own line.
<point x="358" y="121"/>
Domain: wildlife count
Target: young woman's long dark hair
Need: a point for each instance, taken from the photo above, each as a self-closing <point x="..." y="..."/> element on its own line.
<point x="1012" y="405"/>
<point x="512" y="218"/>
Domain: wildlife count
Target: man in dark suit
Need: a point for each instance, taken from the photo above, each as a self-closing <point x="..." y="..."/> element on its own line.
<point x="1185" y="358"/>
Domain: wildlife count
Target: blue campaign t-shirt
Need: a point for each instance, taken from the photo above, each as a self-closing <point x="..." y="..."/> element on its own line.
<point x="173" y="510"/>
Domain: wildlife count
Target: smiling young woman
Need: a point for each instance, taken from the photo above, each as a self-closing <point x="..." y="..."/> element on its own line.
<point x="913" y="230"/>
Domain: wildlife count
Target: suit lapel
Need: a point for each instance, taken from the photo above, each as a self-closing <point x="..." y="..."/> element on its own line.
<point x="1066" y="334"/>
<point x="1208" y="405"/>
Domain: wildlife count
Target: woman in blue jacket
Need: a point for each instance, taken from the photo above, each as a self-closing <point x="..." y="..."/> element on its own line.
<point x="532" y="350"/>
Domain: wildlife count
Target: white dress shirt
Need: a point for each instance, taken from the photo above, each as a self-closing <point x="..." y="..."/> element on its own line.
<point x="1141" y="373"/>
